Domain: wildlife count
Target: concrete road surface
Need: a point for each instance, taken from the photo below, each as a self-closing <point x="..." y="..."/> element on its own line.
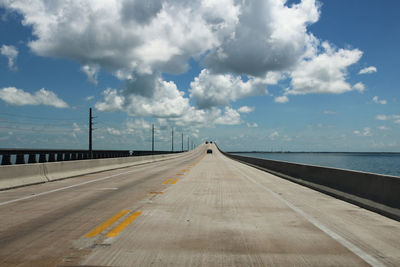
<point x="200" y="209"/>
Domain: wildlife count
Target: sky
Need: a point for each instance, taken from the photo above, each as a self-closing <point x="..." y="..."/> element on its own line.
<point x="270" y="75"/>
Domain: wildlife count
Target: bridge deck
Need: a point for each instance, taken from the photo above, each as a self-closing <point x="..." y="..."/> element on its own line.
<point x="200" y="209"/>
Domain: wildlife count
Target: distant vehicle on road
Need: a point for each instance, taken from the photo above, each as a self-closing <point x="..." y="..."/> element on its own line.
<point x="210" y="142"/>
<point x="209" y="151"/>
<point x="206" y="142"/>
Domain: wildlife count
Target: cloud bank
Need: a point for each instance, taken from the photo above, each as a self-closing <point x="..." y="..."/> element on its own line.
<point x="18" y="97"/>
<point x="394" y="118"/>
<point x="242" y="46"/>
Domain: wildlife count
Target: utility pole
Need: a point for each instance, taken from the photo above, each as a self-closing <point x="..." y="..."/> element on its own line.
<point x="172" y="136"/>
<point x="152" y="139"/>
<point x="188" y="143"/>
<point x="90" y="133"/>
<point x="182" y="142"/>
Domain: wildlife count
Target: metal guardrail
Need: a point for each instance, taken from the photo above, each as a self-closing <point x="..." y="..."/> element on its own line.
<point x="25" y="156"/>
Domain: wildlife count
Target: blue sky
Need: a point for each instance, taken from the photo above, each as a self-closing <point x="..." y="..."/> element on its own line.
<point x="251" y="75"/>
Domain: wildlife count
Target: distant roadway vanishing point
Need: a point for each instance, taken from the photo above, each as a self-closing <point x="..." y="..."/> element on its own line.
<point x="199" y="209"/>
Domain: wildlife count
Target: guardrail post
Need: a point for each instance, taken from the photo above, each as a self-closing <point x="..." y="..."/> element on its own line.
<point x="32" y="158"/>
<point x="80" y="156"/>
<point x="52" y="157"/>
<point x="6" y="160"/>
<point x="73" y="156"/>
<point x="67" y="156"/>
<point x="60" y="156"/>
<point x="42" y="158"/>
<point x="20" y="159"/>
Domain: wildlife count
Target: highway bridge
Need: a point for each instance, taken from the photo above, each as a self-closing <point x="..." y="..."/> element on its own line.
<point x="193" y="209"/>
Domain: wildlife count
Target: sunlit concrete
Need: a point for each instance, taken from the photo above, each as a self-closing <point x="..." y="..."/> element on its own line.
<point x="203" y="209"/>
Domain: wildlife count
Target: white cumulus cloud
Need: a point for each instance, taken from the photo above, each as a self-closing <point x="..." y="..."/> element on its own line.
<point x="246" y="109"/>
<point x="125" y="35"/>
<point x="75" y="130"/>
<point x="11" y="53"/>
<point x="138" y="124"/>
<point x="210" y="89"/>
<point x="91" y="72"/>
<point x="230" y="117"/>
<point x="365" y="132"/>
<point x="266" y="36"/>
<point x="252" y="125"/>
<point x="368" y="70"/>
<point x="273" y="135"/>
<point x="243" y="46"/>
<point x="18" y="97"/>
<point x="379" y="101"/>
<point x="112" y="101"/>
<point x="394" y="118"/>
<point x="113" y="131"/>
<point x="325" y="72"/>
<point x="166" y="101"/>
<point x="359" y="87"/>
<point x="382" y="117"/>
<point x="281" y="99"/>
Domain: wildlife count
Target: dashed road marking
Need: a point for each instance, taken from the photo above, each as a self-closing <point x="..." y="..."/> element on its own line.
<point x="107" y="224"/>
<point x="120" y="227"/>
<point x="167" y="181"/>
<point x="155" y="193"/>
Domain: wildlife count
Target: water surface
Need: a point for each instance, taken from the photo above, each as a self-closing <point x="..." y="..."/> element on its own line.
<point x="381" y="163"/>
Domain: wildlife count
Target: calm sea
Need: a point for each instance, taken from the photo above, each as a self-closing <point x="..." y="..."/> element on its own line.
<point x="382" y="163"/>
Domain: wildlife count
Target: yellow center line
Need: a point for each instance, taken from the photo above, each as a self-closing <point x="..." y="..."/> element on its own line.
<point x="120" y="227"/>
<point x="155" y="193"/>
<point x="167" y="181"/>
<point x="107" y="224"/>
<point x="174" y="181"/>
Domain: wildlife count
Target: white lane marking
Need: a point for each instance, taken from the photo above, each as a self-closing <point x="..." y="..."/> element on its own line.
<point x="63" y="188"/>
<point x="107" y="188"/>
<point x="67" y="187"/>
<point x="352" y="247"/>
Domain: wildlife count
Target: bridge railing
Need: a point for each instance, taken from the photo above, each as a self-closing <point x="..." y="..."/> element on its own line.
<point x="24" y="156"/>
<point x="149" y="152"/>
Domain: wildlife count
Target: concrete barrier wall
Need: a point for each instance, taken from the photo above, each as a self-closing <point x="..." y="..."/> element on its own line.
<point x="376" y="192"/>
<point x="27" y="174"/>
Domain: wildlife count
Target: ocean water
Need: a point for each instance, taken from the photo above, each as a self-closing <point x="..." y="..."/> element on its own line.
<point x="381" y="163"/>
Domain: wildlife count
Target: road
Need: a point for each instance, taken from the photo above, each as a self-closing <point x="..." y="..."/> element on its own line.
<point x="199" y="209"/>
